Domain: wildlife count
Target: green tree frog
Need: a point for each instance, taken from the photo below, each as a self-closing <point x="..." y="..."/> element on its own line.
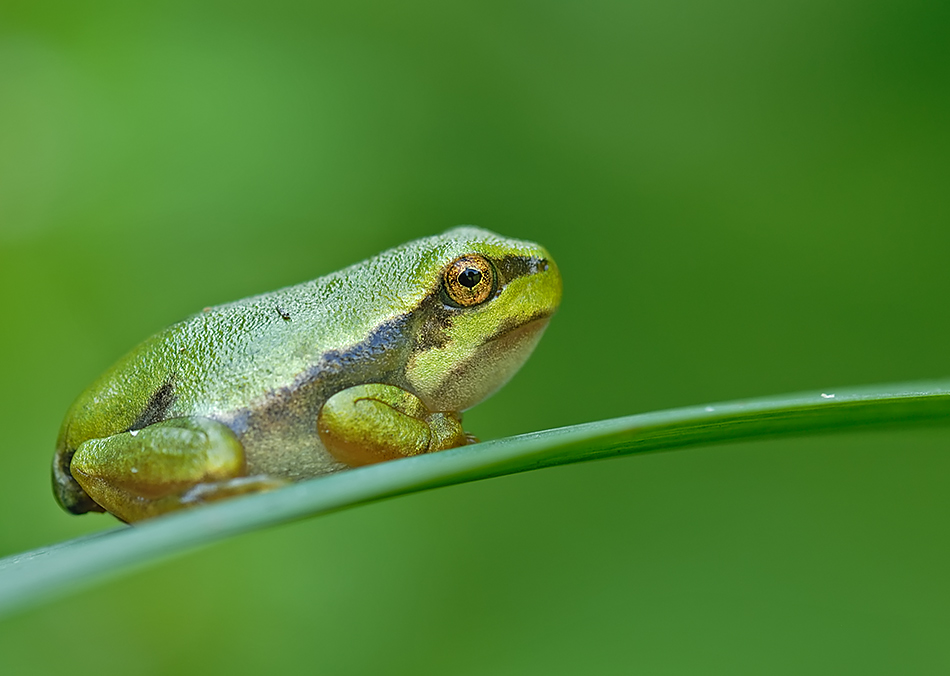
<point x="371" y="363"/>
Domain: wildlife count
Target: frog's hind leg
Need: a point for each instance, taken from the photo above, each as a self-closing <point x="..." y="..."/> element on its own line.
<point x="165" y="466"/>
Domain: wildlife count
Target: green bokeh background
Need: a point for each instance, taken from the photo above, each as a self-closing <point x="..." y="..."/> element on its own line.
<point x="744" y="198"/>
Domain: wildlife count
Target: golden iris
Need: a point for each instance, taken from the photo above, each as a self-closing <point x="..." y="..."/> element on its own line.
<point x="469" y="280"/>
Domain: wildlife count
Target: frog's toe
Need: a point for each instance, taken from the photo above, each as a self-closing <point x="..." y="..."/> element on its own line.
<point x="69" y="494"/>
<point x="209" y="492"/>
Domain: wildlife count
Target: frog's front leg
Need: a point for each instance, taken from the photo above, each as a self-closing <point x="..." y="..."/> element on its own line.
<point x="371" y="423"/>
<point x="164" y="466"/>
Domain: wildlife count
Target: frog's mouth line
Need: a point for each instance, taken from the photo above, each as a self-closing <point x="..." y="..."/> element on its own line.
<point x="508" y="331"/>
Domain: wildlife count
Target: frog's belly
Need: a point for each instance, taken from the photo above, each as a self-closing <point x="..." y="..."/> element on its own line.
<point x="291" y="456"/>
<point x="282" y="440"/>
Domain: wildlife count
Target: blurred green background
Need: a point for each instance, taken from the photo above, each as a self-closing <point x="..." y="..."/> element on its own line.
<point x="744" y="198"/>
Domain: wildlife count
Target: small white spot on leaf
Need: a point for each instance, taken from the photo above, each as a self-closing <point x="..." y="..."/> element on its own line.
<point x="136" y="432"/>
<point x="827" y="396"/>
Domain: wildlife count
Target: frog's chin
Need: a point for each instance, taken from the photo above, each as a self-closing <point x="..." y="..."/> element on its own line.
<point x="490" y="366"/>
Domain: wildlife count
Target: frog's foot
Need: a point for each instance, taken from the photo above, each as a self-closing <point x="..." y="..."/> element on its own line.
<point x="371" y="423"/>
<point x="163" y="467"/>
<point x="202" y="493"/>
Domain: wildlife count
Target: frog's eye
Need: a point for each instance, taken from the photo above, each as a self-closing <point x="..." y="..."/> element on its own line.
<point x="469" y="280"/>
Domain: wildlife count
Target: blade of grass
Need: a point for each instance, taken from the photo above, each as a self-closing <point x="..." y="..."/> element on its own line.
<point x="29" y="578"/>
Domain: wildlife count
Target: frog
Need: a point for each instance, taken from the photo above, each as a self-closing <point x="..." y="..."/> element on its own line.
<point x="375" y="362"/>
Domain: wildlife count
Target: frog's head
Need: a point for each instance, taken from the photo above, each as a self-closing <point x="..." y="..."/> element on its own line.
<point x="487" y="303"/>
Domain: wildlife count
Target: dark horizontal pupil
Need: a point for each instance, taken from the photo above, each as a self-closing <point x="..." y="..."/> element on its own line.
<point x="470" y="277"/>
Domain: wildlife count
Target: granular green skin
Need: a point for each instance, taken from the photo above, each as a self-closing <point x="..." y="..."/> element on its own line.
<point x="264" y="367"/>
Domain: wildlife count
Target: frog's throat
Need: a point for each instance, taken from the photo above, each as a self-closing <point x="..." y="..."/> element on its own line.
<point x="488" y="367"/>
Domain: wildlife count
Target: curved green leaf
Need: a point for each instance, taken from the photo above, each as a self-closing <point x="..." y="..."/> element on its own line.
<point x="28" y="578"/>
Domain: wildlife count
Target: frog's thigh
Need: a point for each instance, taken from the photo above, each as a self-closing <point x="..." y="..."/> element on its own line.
<point x="163" y="467"/>
<point x="371" y="423"/>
